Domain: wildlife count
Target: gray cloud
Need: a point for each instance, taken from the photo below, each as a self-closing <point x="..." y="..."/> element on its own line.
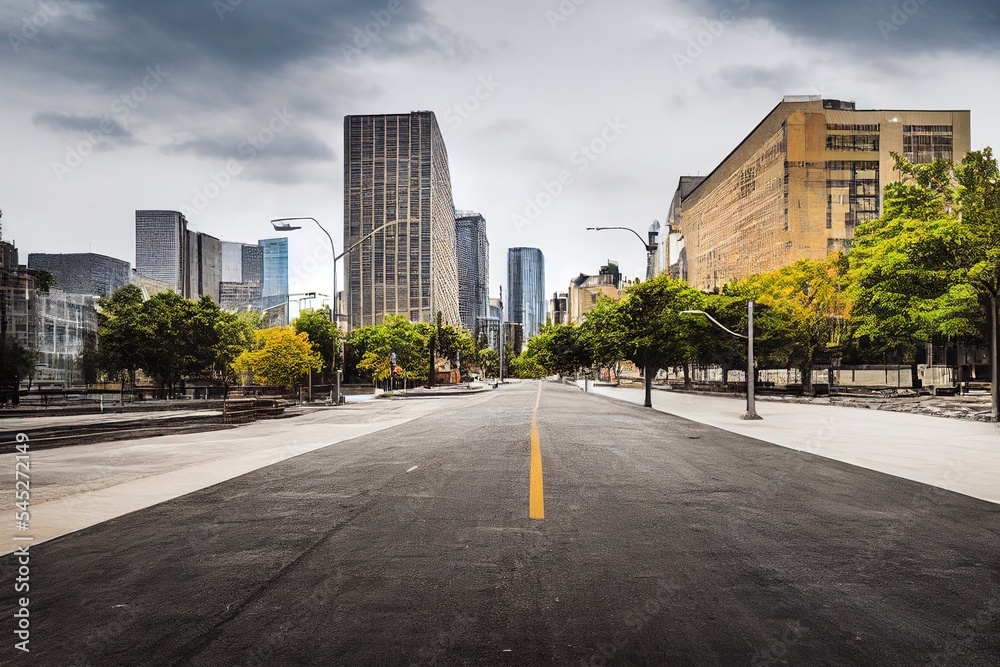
<point x="917" y="25"/>
<point x="109" y="132"/>
<point x="752" y="76"/>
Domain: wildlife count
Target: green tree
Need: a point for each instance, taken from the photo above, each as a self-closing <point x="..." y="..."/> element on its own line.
<point x="16" y="363"/>
<point x="323" y="335"/>
<point x="279" y="357"/>
<point x="169" y="352"/>
<point x="803" y="316"/>
<point x="122" y="334"/>
<point x="373" y="345"/>
<point x="235" y="336"/>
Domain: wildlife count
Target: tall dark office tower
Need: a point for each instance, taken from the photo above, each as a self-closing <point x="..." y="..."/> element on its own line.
<point x="473" y="255"/>
<point x="274" y="285"/>
<point x="526" y="302"/>
<point x="204" y="266"/>
<point x="161" y="250"/>
<point x="396" y="168"/>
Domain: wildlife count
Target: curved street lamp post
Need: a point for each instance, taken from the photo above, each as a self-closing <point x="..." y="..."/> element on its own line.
<point x="281" y="225"/>
<point x="751" y="413"/>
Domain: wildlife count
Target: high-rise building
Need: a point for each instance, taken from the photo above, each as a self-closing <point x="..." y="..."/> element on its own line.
<point x="473" y="257"/>
<point x="239" y="297"/>
<point x="161" y="248"/>
<point x="204" y="266"/>
<point x="526" y="301"/>
<point x="274" y="279"/>
<point x="83" y="273"/>
<point x="800" y="183"/>
<point x="253" y="264"/>
<point x="232" y="262"/>
<point x="396" y="168"/>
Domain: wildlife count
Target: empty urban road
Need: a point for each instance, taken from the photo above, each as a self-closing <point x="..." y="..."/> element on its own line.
<point x="533" y="525"/>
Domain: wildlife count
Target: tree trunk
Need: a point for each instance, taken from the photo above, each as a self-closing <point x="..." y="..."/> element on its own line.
<point x="725" y="375"/>
<point x="687" y="376"/>
<point x="649" y="388"/>
<point x="807" y="380"/>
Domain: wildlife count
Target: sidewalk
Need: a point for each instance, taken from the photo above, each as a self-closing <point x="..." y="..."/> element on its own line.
<point x="960" y="456"/>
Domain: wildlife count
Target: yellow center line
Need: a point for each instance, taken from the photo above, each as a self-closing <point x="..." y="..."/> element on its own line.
<point x="536" y="495"/>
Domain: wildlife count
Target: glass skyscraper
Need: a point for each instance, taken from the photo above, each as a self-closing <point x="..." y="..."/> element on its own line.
<point x="396" y="168"/>
<point x="526" y="300"/>
<point x="473" y="255"/>
<point x="274" y="286"/>
<point x="161" y="250"/>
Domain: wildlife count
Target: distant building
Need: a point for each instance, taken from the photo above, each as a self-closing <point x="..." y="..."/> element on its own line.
<point x="559" y="308"/>
<point x="83" y="273"/>
<point x="526" y="300"/>
<point x="204" y="266"/>
<point x="396" y="168"/>
<point x="149" y="286"/>
<point x="801" y="182"/>
<point x="232" y="262"/>
<point x="473" y="256"/>
<point x="253" y="264"/>
<point x="240" y="297"/>
<point x="67" y="326"/>
<point x="18" y="300"/>
<point x="161" y="248"/>
<point x="585" y="291"/>
<point x="274" y="279"/>
<point x="674" y="254"/>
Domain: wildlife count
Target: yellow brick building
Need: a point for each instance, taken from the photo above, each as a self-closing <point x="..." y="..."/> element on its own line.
<point x="801" y="182"/>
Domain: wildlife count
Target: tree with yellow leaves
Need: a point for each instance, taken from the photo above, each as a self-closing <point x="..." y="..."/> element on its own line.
<point x="278" y="357"/>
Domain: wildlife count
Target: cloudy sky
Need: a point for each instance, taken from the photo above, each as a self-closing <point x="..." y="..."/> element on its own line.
<point x="232" y="110"/>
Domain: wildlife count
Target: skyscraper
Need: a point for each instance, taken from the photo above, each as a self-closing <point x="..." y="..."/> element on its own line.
<point x="473" y="256"/>
<point x="232" y="262"/>
<point x="526" y="302"/>
<point x="204" y="266"/>
<point x="396" y="168"/>
<point x="161" y="248"/>
<point x="274" y="283"/>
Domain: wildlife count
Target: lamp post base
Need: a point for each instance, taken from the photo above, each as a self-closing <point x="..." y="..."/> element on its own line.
<point x="751" y="416"/>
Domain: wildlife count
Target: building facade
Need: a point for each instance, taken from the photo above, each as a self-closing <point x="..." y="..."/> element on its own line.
<point x="204" y="266"/>
<point x="585" y="291"/>
<point x="801" y="182"/>
<point x="83" y="273"/>
<point x="67" y="326"/>
<point x="161" y="248"/>
<point x="526" y="300"/>
<point x="240" y="297"/>
<point x="396" y="168"/>
<point x="559" y="308"/>
<point x="232" y="262"/>
<point x="274" y="278"/>
<point x="472" y="250"/>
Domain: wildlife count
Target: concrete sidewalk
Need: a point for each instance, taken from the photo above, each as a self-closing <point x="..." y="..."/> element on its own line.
<point x="960" y="456"/>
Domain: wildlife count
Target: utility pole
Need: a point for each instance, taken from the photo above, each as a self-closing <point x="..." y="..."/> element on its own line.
<point x="501" y="334"/>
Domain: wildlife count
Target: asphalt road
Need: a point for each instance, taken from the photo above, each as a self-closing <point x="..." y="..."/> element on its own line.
<point x="664" y="542"/>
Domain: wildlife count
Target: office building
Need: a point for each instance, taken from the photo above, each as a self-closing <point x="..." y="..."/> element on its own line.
<point x="799" y="184"/>
<point x="253" y="265"/>
<point x="473" y="257"/>
<point x="240" y="297"/>
<point x="232" y="262"/>
<point x="83" y="273"/>
<point x="526" y="300"/>
<point x="396" y="168"/>
<point x="204" y="266"/>
<point x="161" y="248"/>
<point x="67" y="326"/>
<point x="274" y="278"/>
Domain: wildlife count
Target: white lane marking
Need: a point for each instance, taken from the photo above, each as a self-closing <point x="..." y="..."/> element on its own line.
<point x="412" y="469"/>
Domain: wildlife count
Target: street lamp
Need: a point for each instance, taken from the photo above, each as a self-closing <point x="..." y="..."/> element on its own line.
<point x="651" y="245"/>
<point x="751" y="413"/>
<point x="282" y="225"/>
